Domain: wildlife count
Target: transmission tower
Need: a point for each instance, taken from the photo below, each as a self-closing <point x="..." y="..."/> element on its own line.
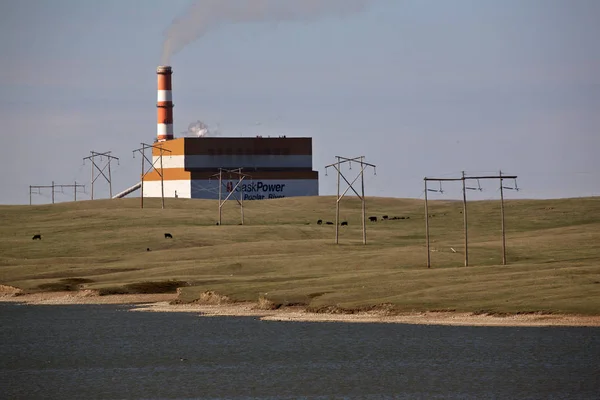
<point x="100" y="171"/>
<point x="231" y="188"/>
<point x="337" y="166"/>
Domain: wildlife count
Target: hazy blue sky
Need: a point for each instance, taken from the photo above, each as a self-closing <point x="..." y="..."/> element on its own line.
<point x="419" y="87"/>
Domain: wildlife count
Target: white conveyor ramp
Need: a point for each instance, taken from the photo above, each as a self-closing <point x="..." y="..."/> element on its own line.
<point x="127" y="191"/>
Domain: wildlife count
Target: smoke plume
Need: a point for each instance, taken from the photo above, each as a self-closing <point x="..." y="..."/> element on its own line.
<point x="204" y="15"/>
<point x="198" y="128"/>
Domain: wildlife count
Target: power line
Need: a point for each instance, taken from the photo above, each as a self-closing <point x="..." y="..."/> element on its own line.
<point x="464" y="178"/>
<point x="53" y="187"/>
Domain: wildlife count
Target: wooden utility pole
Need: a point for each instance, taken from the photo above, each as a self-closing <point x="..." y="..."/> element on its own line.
<point x="53" y="188"/>
<point x="38" y="187"/>
<point x="465" y="222"/>
<point x="364" y="200"/>
<point x="160" y="172"/>
<point x="502" y="188"/>
<point x="502" y="216"/>
<point x="74" y="186"/>
<point x="427" y="226"/>
<point x="440" y="180"/>
<point x="464" y="178"/>
<point x="337" y="167"/>
<point x="142" y="183"/>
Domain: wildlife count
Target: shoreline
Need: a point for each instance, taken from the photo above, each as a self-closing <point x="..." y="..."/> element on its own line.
<point x="162" y="303"/>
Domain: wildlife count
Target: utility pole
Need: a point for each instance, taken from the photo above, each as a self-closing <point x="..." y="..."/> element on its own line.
<point x="465" y="222"/>
<point x="38" y="187"/>
<point x="337" y="166"/>
<point x="95" y="167"/>
<point x="53" y="188"/>
<point x="142" y="151"/>
<point x="502" y="187"/>
<point x="231" y="189"/>
<point x="427" y="226"/>
<point x="464" y="178"/>
<point x="74" y="186"/>
<point x="440" y="190"/>
<point x="502" y="216"/>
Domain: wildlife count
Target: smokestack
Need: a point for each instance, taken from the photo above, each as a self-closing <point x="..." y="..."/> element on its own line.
<point x="164" y="104"/>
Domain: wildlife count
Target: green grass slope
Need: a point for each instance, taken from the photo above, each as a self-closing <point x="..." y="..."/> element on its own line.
<point x="281" y="254"/>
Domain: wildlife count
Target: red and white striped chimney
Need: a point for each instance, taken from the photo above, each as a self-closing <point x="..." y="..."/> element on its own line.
<point x="164" y="104"/>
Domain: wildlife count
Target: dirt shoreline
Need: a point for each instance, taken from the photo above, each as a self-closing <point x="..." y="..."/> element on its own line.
<point x="162" y="303"/>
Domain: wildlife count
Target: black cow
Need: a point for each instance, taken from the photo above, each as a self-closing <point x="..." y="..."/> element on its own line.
<point x="329" y="223"/>
<point x="37" y="237"/>
<point x="147" y="248"/>
<point x="384" y="217"/>
<point x="168" y="236"/>
<point x="344" y="223"/>
<point x="373" y="219"/>
<point x="319" y="222"/>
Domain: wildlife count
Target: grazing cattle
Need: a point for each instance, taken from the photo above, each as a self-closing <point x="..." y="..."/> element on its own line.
<point x="329" y="223"/>
<point x="37" y="237"/>
<point x="344" y="223"/>
<point x="168" y="236"/>
<point x="373" y="219"/>
<point x="217" y="223"/>
<point x="385" y="217"/>
<point x="147" y="248"/>
<point x="319" y="222"/>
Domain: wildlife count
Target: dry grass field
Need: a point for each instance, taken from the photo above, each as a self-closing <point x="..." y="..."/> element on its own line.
<point x="281" y="255"/>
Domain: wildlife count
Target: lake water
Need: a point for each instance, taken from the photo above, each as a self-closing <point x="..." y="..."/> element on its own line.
<point x="106" y="352"/>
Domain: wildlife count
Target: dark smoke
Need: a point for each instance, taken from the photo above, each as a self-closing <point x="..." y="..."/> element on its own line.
<point x="204" y="15"/>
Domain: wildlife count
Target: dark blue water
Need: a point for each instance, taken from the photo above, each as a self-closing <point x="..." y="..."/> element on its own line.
<point x="102" y="352"/>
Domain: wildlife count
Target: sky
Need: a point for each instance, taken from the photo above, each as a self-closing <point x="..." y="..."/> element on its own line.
<point x="419" y="87"/>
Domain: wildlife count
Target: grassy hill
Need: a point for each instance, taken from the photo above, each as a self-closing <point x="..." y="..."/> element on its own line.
<point x="281" y="254"/>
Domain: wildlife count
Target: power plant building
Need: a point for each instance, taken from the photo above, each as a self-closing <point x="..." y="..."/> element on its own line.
<point x="273" y="167"/>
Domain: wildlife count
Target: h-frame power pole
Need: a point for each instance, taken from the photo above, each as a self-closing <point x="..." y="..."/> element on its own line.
<point x="337" y="166"/>
<point x="232" y="189"/>
<point x="95" y="167"/>
<point x="464" y="178"/>
<point x="53" y="187"/>
<point x="142" y="151"/>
